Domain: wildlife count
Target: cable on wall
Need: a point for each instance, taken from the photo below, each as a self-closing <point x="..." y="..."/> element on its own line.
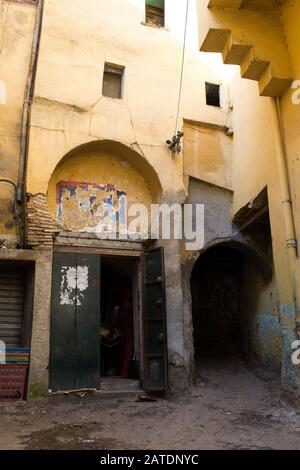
<point x="182" y="64"/>
<point x="174" y="143"/>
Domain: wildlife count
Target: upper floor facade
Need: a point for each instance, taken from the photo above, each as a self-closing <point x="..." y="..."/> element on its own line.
<point x="113" y="72"/>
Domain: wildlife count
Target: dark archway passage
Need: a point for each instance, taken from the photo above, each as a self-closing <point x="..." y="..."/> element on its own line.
<point x="216" y="302"/>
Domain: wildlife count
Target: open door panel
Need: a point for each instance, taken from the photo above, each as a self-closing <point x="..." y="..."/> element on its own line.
<point x="155" y="332"/>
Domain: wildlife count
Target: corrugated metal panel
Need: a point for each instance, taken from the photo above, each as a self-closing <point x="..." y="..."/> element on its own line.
<point x="11" y="306"/>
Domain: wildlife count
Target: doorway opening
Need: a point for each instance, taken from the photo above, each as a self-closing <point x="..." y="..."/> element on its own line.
<point x="215" y="287"/>
<point x="119" y="330"/>
<point x="108" y="321"/>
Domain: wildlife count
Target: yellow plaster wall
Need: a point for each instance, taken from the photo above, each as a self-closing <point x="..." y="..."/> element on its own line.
<point x="69" y="108"/>
<point x="254" y="166"/>
<point x="207" y="154"/>
<point x="291" y="117"/>
<point x="290" y="111"/>
<point x="254" y="155"/>
<point x="254" y="161"/>
<point x="16" y="32"/>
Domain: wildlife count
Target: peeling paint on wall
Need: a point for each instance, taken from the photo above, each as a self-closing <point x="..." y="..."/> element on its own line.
<point x="82" y="278"/>
<point x="74" y="282"/>
<point x="90" y="207"/>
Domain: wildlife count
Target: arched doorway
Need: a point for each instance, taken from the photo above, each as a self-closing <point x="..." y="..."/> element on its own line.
<point x="231" y="290"/>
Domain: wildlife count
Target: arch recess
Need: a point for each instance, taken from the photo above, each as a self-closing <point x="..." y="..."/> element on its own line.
<point x="122" y="151"/>
<point x="94" y="184"/>
<point x="250" y="253"/>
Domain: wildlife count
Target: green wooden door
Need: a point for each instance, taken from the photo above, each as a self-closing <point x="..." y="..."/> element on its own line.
<point x="155" y="331"/>
<point x="62" y="329"/>
<point x="75" y="322"/>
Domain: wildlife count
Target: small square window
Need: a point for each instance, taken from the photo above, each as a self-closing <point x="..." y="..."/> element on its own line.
<point x="212" y="94"/>
<point x="113" y="81"/>
<point x="155" y="13"/>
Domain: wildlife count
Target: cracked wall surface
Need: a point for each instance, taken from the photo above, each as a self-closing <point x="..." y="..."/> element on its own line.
<point x="69" y="108"/>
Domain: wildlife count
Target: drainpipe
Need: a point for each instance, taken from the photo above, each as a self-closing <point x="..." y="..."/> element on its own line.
<point x="21" y="199"/>
<point x="291" y="241"/>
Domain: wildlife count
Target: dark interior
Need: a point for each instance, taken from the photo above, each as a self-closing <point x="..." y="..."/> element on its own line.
<point x="212" y="94"/>
<point x="215" y="292"/>
<point x="117" y="318"/>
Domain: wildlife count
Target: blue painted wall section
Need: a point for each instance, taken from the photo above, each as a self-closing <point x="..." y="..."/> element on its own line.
<point x="269" y="340"/>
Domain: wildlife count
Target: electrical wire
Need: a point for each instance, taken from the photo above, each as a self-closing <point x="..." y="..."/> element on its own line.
<point x="4" y="180"/>
<point x="182" y="65"/>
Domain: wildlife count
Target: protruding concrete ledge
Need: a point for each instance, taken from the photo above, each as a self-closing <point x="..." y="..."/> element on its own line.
<point x="236" y="29"/>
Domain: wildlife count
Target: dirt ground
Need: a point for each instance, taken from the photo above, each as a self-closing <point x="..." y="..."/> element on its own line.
<point x="230" y="407"/>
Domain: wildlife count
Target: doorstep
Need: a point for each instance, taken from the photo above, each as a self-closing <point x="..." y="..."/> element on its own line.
<point x="110" y="387"/>
<point x="119" y="387"/>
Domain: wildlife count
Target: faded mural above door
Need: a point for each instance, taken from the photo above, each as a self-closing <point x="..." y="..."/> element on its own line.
<point x="91" y="207"/>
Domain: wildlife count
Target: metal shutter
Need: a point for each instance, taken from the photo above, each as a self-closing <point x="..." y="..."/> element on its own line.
<point x="11" y="306"/>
